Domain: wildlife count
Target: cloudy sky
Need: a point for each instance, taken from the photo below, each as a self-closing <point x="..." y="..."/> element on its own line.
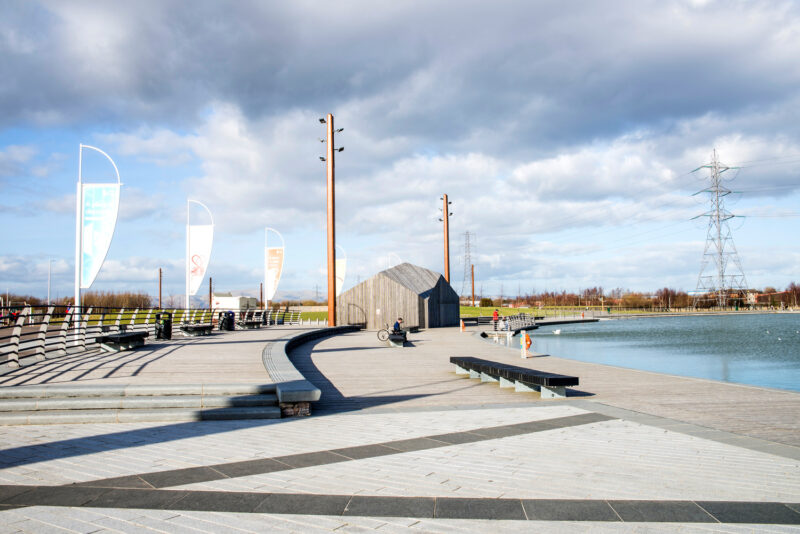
<point x="564" y="133"/>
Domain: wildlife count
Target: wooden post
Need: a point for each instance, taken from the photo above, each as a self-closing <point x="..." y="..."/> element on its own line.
<point x="331" y="227"/>
<point x="159" y="288"/>
<point x="445" y="217"/>
<point x="209" y="293"/>
<point x="261" y="295"/>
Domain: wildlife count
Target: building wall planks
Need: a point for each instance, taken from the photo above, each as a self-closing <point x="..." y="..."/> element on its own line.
<point x="421" y="296"/>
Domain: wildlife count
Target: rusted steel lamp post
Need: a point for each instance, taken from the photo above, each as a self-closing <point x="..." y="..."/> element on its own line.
<point x="329" y="158"/>
<point x="446" y="218"/>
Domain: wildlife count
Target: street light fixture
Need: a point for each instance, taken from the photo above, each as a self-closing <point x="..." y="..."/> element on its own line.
<point x="329" y="159"/>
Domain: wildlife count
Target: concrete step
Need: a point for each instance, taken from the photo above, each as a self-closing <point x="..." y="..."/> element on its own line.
<point x="52" y="417"/>
<point x="136" y="402"/>
<point x="116" y="403"/>
<point x="130" y="390"/>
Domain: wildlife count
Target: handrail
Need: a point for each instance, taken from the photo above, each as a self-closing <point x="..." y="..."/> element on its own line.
<point x="34" y="333"/>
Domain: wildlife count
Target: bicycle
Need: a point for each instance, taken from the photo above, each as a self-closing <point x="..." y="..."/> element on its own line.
<point x="383" y="333"/>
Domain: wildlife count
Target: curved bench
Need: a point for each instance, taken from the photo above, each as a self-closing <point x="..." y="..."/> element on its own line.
<point x="290" y="385"/>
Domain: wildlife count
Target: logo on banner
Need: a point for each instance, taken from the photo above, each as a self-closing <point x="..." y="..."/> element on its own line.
<point x="100" y="205"/>
<point x="201" y="237"/>
<point x="273" y="261"/>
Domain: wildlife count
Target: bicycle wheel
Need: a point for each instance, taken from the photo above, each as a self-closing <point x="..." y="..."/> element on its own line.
<point x="383" y="334"/>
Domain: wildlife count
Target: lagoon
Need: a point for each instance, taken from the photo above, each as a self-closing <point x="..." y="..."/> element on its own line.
<point x="756" y="349"/>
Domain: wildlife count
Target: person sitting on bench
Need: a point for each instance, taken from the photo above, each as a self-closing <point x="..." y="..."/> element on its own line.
<point x="398" y="326"/>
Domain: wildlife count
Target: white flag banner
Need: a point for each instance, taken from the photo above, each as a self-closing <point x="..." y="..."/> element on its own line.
<point x="201" y="237"/>
<point x="341" y="266"/>
<point x="100" y="206"/>
<point x="273" y="265"/>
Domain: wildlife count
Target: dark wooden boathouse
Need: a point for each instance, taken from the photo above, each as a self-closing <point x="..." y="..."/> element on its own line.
<point x="420" y="296"/>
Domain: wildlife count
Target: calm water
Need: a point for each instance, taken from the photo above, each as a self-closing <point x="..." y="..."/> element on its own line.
<point x="761" y="350"/>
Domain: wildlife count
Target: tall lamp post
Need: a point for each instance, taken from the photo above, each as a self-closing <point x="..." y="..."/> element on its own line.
<point x="446" y="218"/>
<point x="329" y="158"/>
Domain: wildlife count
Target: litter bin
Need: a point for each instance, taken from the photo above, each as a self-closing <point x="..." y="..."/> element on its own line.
<point x="164" y="325"/>
<point x="225" y="321"/>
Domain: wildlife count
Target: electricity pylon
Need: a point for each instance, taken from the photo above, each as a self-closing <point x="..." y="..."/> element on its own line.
<point x="719" y="251"/>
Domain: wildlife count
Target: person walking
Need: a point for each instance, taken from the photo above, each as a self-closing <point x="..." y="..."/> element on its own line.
<point x="495" y="318"/>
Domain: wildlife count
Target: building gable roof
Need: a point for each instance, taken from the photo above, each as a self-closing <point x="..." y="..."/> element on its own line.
<point x="416" y="278"/>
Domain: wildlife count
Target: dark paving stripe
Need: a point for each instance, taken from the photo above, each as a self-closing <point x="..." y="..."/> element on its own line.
<point x="250" y="467"/>
<point x="379" y="506"/>
<point x="147" y="499"/>
<point x="453" y="508"/>
<point x="568" y="510"/>
<point x="662" y="512"/>
<point x="419" y="507"/>
<point x="179" y="477"/>
<point x="304" y="504"/>
<point x="751" y="512"/>
<point x="191" y="475"/>
<point x="56" y="496"/>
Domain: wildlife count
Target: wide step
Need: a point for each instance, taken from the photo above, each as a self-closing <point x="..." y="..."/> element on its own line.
<point x="79" y="403"/>
<point x="59" y="417"/>
<point x="140" y="401"/>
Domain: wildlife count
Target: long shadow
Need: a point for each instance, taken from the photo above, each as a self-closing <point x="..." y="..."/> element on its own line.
<point x="96" y="361"/>
<point x="332" y="401"/>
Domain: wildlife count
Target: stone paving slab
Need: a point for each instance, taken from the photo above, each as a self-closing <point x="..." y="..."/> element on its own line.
<point x="477" y="452"/>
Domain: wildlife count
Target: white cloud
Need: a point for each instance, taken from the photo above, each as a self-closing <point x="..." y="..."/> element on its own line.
<point x="14" y="157"/>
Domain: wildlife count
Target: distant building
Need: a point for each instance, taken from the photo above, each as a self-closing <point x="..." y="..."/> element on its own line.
<point x="227" y="302"/>
<point x="420" y="296"/>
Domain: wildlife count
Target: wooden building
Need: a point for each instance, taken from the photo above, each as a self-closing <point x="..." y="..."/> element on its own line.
<point x="420" y="296"/>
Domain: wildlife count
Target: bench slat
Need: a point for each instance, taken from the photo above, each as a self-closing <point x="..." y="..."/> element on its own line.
<point x="513" y="372"/>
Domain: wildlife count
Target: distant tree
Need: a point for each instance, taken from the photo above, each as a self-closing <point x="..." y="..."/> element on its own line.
<point x="111" y="299"/>
<point x="635" y="300"/>
<point x="486" y="302"/>
<point x="794" y="293"/>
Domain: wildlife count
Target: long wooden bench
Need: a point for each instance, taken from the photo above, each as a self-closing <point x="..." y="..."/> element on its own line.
<point x="197" y="329"/>
<point x="550" y="385"/>
<point x="122" y="341"/>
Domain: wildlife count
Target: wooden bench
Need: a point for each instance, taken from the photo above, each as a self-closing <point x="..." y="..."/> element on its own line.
<point x="550" y="385"/>
<point x="197" y="329"/>
<point x="250" y="320"/>
<point x="123" y="341"/>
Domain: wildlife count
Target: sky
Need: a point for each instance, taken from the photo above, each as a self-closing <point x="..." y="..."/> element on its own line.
<point x="564" y="134"/>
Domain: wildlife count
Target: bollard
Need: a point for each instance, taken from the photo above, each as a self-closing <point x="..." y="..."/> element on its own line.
<point x="462" y="325"/>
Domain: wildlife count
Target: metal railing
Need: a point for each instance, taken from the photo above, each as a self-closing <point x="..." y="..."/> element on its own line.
<point x="29" y="334"/>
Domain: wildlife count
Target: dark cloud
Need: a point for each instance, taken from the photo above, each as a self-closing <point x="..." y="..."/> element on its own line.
<point x="541" y="73"/>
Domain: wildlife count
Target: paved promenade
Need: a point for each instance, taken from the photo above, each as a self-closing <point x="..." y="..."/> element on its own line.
<point x="399" y="442"/>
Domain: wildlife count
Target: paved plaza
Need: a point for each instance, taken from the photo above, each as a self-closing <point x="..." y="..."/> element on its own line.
<point x="400" y="442"/>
